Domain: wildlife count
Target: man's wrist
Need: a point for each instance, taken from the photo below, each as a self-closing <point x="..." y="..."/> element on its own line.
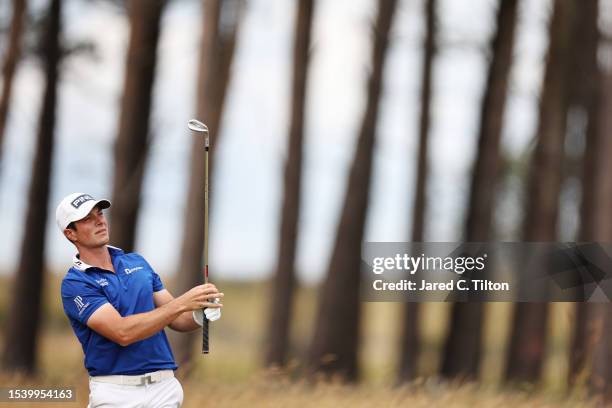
<point x="177" y="306"/>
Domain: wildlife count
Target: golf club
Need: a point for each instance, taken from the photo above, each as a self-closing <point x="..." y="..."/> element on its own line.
<point x="197" y="126"/>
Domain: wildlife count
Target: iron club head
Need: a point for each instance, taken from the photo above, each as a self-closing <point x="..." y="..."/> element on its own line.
<point x="197" y="126"/>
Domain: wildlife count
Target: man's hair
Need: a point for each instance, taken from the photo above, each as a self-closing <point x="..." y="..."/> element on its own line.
<point x="71" y="226"/>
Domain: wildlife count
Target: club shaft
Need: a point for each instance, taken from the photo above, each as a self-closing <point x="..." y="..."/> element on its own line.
<point x="205" y="328"/>
<point x="206" y="215"/>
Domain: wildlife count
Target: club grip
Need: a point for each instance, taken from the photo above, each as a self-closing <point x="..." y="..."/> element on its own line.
<point x="205" y="346"/>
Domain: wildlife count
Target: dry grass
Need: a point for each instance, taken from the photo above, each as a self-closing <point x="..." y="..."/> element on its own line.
<point x="230" y="376"/>
<point x="265" y="392"/>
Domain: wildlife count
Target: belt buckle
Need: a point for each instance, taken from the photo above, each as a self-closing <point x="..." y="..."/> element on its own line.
<point x="152" y="377"/>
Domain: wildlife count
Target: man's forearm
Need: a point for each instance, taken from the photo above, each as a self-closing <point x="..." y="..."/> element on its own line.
<point x="143" y="325"/>
<point x="184" y="323"/>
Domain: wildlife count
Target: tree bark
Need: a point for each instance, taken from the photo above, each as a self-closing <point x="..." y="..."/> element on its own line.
<point x="24" y="320"/>
<point x="599" y="316"/>
<point x="132" y="145"/>
<point x="284" y="282"/>
<point x="600" y="382"/>
<point x="11" y="59"/>
<point x="409" y="345"/>
<point x="335" y="343"/>
<point x="585" y="95"/>
<point x="530" y="322"/>
<point x="463" y="345"/>
<point x="216" y="54"/>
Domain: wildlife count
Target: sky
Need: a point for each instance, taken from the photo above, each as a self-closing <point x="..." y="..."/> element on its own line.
<point x="246" y="192"/>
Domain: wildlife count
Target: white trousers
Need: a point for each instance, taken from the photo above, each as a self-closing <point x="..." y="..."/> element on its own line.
<point x="167" y="393"/>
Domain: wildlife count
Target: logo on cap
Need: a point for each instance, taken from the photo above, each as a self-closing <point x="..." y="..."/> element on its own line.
<point x="83" y="198"/>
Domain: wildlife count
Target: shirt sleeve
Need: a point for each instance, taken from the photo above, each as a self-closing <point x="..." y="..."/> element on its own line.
<point x="157" y="283"/>
<point x="81" y="299"/>
<point x="156" y="280"/>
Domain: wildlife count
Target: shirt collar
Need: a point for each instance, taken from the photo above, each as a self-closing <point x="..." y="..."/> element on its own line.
<point x="82" y="266"/>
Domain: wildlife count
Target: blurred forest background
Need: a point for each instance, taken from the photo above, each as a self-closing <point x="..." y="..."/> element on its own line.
<point x="332" y="122"/>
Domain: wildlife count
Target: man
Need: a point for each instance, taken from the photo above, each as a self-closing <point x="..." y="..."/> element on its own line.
<point x="118" y="308"/>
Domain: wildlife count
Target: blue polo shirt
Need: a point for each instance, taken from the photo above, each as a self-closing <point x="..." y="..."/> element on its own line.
<point x="129" y="290"/>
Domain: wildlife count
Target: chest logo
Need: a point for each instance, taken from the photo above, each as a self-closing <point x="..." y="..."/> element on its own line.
<point x="132" y="270"/>
<point x="102" y="282"/>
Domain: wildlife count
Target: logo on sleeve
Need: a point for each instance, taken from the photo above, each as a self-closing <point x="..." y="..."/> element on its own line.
<point x="83" y="198"/>
<point x="81" y="306"/>
<point x="131" y="270"/>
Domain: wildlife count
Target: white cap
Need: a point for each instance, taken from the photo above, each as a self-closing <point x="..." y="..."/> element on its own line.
<point x="75" y="207"/>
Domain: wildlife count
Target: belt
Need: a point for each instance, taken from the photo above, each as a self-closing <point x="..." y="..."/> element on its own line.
<point x="155" y="376"/>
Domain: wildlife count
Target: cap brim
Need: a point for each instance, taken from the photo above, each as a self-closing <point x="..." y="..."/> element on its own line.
<point x="104" y="204"/>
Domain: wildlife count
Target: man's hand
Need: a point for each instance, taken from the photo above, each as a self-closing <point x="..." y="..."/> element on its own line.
<point x="200" y="297"/>
<point x="191" y="302"/>
<point x="212" y="314"/>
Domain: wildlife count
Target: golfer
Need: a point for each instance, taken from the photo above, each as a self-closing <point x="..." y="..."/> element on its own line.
<point x="118" y="309"/>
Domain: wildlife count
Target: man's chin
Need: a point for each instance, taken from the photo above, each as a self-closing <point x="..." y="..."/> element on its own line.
<point x="97" y="243"/>
<point x="103" y="240"/>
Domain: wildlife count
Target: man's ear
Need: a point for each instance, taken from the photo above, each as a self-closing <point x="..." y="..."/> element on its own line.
<point x="70" y="234"/>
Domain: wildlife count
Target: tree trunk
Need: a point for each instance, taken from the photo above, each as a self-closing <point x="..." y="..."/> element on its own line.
<point x="284" y="282"/>
<point x="132" y="143"/>
<point x="410" y="326"/>
<point x="586" y="96"/>
<point x="530" y="324"/>
<point x="25" y="314"/>
<point x="600" y="382"/>
<point x="11" y="58"/>
<point x="463" y="345"/>
<point x="599" y="326"/>
<point x="335" y="343"/>
<point x="216" y="54"/>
